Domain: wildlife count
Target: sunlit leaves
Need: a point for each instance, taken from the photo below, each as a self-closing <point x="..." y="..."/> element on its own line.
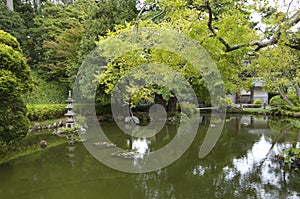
<point x="234" y="26"/>
<point x="278" y="66"/>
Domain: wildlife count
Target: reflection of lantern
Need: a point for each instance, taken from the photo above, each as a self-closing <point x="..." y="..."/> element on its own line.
<point x="70" y="121"/>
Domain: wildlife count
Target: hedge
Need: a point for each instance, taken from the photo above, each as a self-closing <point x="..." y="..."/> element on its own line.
<point x="38" y="112"/>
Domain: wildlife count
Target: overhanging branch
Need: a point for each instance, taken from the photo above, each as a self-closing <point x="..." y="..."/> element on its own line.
<point x="288" y="23"/>
<point x="228" y="48"/>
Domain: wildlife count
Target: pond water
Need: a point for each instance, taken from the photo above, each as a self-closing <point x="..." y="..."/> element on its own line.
<point x="242" y="164"/>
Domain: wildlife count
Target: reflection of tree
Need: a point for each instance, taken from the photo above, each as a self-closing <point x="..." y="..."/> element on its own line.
<point x="221" y="174"/>
<point x="285" y="126"/>
<point x="203" y="175"/>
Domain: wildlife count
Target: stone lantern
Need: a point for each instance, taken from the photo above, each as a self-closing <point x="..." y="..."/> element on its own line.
<point x="70" y="121"/>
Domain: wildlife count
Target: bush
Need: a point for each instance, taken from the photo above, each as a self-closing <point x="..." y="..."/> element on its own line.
<point x="15" y="80"/>
<point x="228" y="101"/>
<point x="7" y="39"/>
<point x="45" y="92"/>
<point x="281" y="107"/>
<point x="277" y="101"/>
<point x="38" y="112"/>
<point x="258" y="102"/>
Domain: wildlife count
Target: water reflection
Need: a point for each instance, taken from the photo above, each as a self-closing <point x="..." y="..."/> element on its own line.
<point x="141" y="145"/>
<point x="242" y="164"/>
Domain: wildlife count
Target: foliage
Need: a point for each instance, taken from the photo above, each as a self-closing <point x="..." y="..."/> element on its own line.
<point x="46" y="92"/>
<point x="66" y="33"/>
<point x="9" y="41"/>
<point x="258" y="102"/>
<point x="280" y="107"/>
<point x="291" y="155"/>
<point x="51" y="21"/>
<point x="229" y="19"/>
<point x="276" y="101"/>
<point x="228" y="101"/>
<point x="190" y="109"/>
<point x="18" y="23"/>
<point x="38" y="112"/>
<point x="256" y="110"/>
<point x="15" y="80"/>
<point x="278" y="66"/>
<point x="296" y="123"/>
<point x="12" y="22"/>
<point x="45" y="122"/>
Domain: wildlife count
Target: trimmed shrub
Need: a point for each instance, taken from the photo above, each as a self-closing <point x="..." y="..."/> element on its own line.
<point x="15" y="80"/>
<point x="7" y="39"/>
<point x="258" y="102"/>
<point x="38" y="112"/>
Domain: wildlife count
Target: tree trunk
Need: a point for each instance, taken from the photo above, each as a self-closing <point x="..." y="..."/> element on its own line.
<point x="160" y="100"/>
<point x="285" y="97"/>
<point x="10" y="4"/>
<point x="171" y="107"/>
<point x="37" y="3"/>
<point x="298" y="92"/>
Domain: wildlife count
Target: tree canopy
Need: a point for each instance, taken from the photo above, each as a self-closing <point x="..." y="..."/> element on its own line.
<point x="66" y="33"/>
<point x="227" y="32"/>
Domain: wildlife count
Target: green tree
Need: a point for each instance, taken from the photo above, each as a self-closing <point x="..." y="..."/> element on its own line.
<point x="195" y="21"/>
<point x="12" y="22"/>
<point x="277" y="61"/>
<point x="225" y="30"/>
<point x="279" y="68"/>
<point x="65" y="34"/>
<point x="18" y="23"/>
<point x="15" y="80"/>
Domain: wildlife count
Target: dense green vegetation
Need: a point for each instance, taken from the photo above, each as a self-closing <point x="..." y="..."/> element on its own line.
<point x="65" y="34"/>
<point x="46" y="92"/>
<point x="282" y="107"/>
<point x="15" y="79"/>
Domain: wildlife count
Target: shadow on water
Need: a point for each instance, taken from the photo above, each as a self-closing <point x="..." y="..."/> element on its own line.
<point x="241" y="165"/>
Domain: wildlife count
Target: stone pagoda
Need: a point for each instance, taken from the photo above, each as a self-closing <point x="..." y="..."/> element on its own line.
<point x="70" y="121"/>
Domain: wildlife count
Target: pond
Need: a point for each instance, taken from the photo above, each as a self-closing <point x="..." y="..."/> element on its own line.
<point x="242" y="164"/>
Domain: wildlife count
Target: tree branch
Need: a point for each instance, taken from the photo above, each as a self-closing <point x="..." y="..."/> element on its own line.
<point x="144" y="9"/>
<point x="288" y="22"/>
<point x="285" y="97"/>
<point x="159" y="14"/>
<point x="228" y="48"/>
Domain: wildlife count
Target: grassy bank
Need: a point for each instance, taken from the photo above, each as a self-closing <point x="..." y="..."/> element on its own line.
<point x="257" y="110"/>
